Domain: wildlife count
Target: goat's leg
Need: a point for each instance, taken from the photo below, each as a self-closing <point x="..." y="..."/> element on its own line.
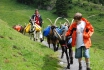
<point x="54" y="46"/>
<point x="34" y="35"/>
<point x="31" y="36"/>
<point x="62" y="51"/>
<point x="48" y="41"/>
<point x="68" y="64"/>
<point x="70" y="53"/>
<point x="40" y="36"/>
<point x="37" y="36"/>
<point x="57" y="46"/>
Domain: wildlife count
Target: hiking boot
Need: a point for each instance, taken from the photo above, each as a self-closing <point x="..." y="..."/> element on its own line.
<point x="88" y="69"/>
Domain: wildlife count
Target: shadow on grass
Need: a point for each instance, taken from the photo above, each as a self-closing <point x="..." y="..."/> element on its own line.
<point x="50" y="63"/>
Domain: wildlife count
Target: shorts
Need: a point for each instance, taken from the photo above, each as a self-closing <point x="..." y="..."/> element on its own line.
<point x="82" y="52"/>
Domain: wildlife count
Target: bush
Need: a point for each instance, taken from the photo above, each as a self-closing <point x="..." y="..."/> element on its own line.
<point x="27" y="2"/>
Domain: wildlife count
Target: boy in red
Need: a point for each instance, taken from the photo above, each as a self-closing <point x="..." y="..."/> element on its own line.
<point x="81" y="30"/>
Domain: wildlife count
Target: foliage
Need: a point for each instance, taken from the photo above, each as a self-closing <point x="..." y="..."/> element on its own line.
<point x="28" y="2"/>
<point x="39" y="3"/>
<point x="18" y="52"/>
<point x="62" y="8"/>
<point x="96" y="1"/>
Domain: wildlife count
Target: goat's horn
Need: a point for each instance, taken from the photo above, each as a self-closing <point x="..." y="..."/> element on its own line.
<point x="67" y="20"/>
<point x="72" y="21"/>
<point x="56" y="20"/>
<point x="60" y="23"/>
<point x="58" y="35"/>
<point x="49" y="20"/>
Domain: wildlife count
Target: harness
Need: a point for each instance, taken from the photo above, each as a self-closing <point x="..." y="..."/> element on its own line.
<point x="37" y="27"/>
<point x="27" y="28"/>
<point x="64" y="45"/>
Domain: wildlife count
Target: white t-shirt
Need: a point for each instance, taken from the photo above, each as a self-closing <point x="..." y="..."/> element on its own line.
<point x="80" y="29"/>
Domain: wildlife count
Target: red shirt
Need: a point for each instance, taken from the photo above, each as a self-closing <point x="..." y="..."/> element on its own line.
<point x="37" y="20"/>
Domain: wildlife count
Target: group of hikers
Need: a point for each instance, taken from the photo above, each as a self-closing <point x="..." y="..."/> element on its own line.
<point x="81" y="31"/>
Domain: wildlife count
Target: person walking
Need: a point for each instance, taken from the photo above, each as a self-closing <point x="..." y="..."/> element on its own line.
<point x="36" y="21"/>
<point x="81" y="30"/>
<point x="37" y="18"/>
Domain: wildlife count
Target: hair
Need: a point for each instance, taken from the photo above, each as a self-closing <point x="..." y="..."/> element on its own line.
<point x="36" y="10"/>
<point x="77" y="16"/>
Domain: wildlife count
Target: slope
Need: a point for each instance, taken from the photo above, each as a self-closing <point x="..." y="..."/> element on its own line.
<point x="18" y="52"/>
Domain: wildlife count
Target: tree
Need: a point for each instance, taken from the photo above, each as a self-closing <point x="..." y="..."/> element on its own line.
<point x="62" y="8"/>
<point x="27" y="2"/>
<point x="39" y="3"/>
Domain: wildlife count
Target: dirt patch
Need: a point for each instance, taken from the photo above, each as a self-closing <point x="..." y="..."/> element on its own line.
<point x="1" y="37"/>
<point x="10" y="38"/>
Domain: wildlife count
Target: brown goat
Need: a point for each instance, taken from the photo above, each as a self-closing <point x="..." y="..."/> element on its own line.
<point x="51" y="37"/>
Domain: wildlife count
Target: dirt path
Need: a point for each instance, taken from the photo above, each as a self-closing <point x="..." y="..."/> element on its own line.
<point x="63" y="61"/>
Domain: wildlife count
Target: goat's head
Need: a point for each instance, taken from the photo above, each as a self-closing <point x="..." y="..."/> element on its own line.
<point x="53" y="25"/>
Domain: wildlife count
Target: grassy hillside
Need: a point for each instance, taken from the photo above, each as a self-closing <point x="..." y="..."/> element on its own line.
<point x="18" y="52"/>
<point x="15" y="13"/>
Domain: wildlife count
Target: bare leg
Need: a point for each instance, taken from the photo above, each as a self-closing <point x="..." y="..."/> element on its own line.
<point x="80" y="65"/>
<point x="87" y="63"/>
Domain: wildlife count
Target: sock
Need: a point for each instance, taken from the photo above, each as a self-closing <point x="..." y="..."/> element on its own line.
<point x="88" y="64"/>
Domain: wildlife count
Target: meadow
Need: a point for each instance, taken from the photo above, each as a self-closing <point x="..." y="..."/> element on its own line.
<point x="18" y="52"/>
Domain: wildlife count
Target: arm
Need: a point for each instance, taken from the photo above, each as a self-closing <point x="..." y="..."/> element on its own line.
<point x="88" y="31"/>
<point x="70" y="30"/>
<point x="40" y="19"/>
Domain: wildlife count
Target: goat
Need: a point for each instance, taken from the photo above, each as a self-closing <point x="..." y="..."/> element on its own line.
<point x="34" y="30"/>
<point x="51" y="36"/>
<point x="19" y="28"/>
<point x="65" y="45"/>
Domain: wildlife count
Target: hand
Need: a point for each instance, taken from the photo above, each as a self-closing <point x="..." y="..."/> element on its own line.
<point x="74" y="29"/>
<point x="68" y="37"/>
<point x="87" y="30"/>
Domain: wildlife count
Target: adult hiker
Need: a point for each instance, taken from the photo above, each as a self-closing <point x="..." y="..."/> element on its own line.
<point x="37" y="18"/>
<point x="36" y="21"/>
<point x="81" y="30"/>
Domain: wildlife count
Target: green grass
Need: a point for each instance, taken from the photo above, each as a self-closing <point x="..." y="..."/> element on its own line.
<point x="18" y="52"/>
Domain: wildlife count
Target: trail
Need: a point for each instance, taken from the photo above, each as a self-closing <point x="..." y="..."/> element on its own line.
<point x="63" y="61"/>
